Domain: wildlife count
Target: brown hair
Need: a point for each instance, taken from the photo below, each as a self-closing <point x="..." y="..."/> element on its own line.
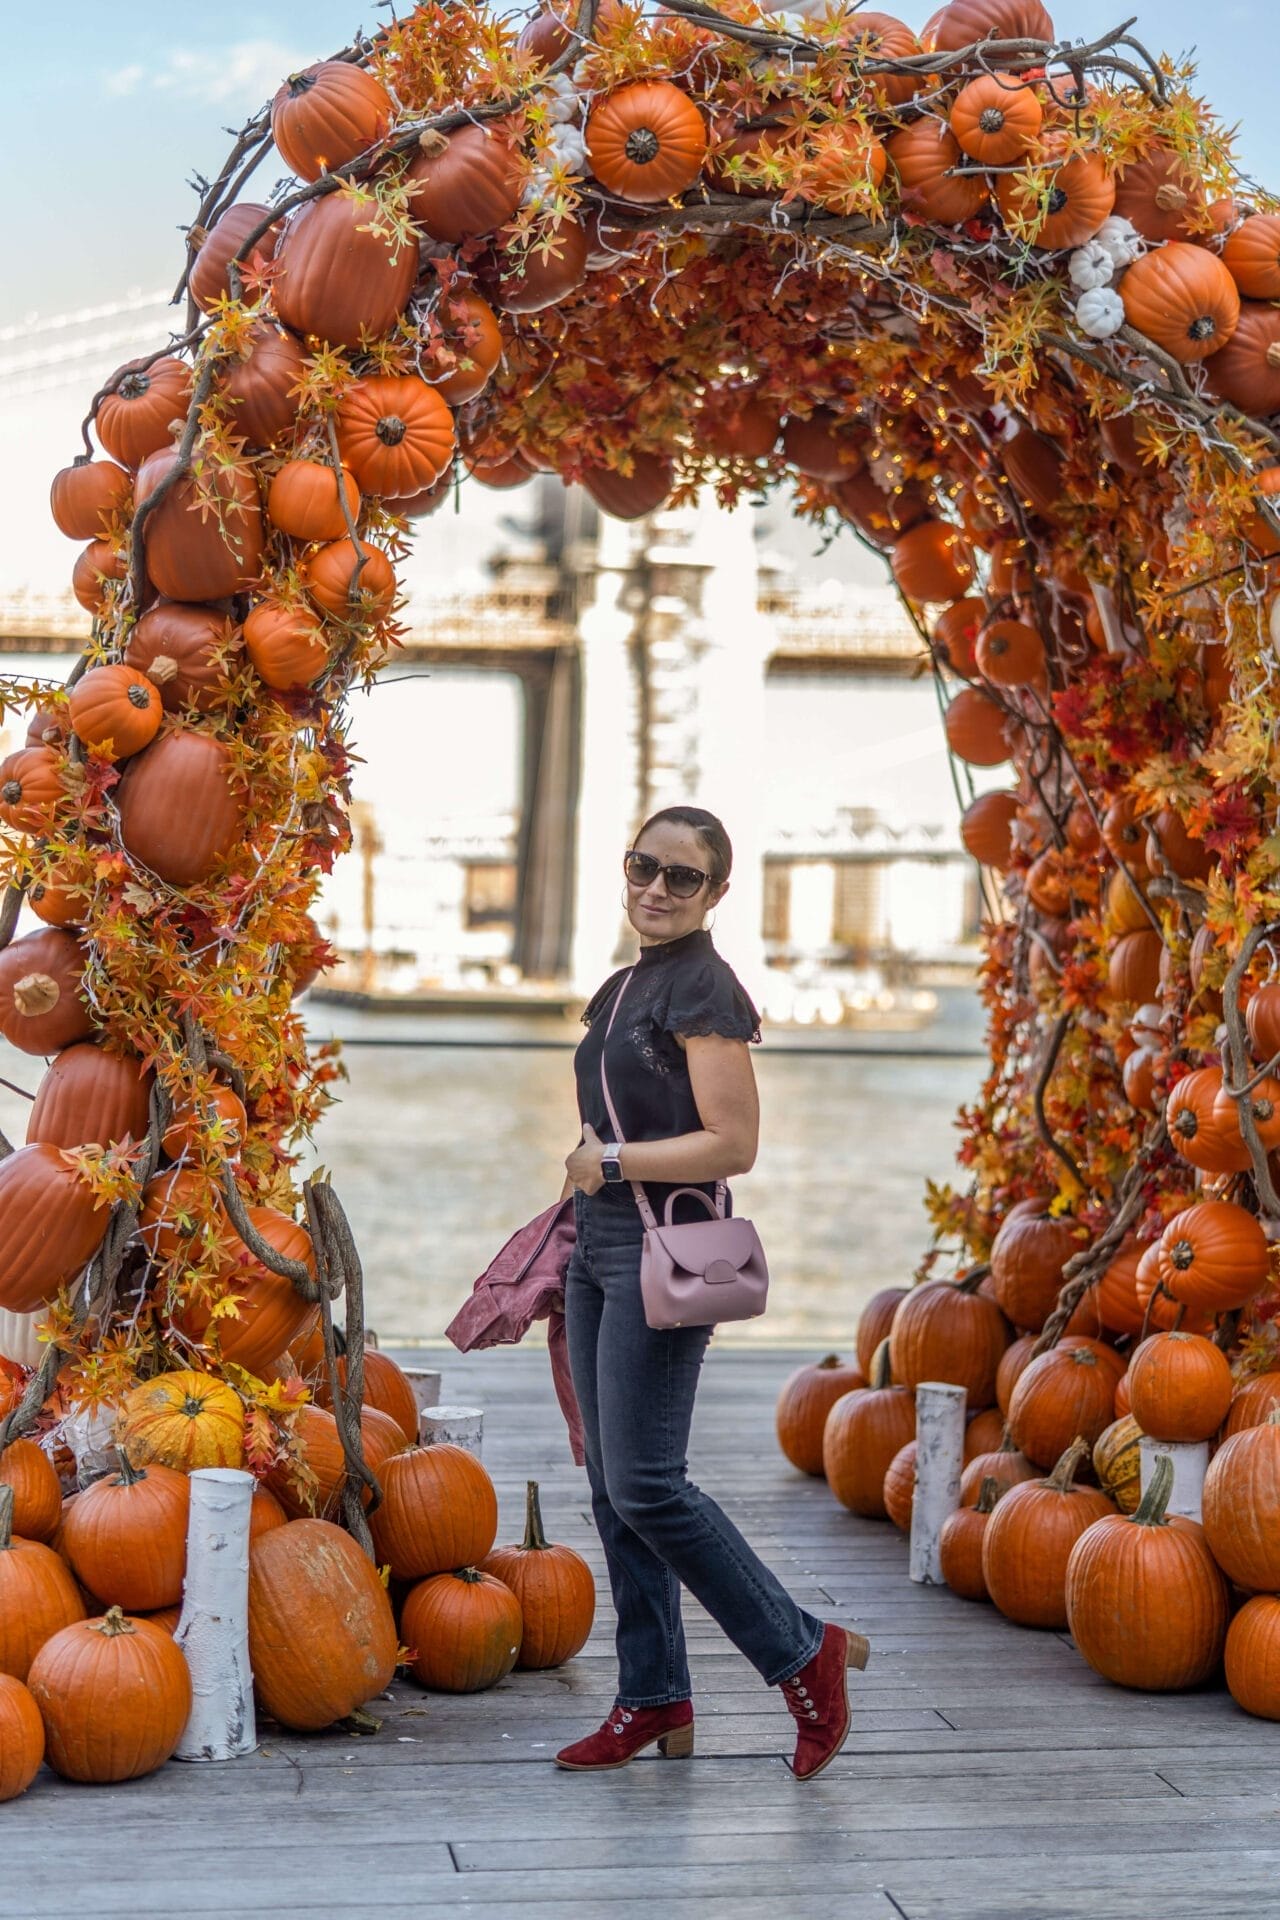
<point x="710" y="832"/>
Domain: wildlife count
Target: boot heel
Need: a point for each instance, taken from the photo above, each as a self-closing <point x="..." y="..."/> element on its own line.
<point x="857" y="1649"/>
<point x="676" y="1745"/>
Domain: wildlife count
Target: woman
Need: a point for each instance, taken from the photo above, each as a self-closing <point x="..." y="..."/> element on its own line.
<point x="682" y="1085"/>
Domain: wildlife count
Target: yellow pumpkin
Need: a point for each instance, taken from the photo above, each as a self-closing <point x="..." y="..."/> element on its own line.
<point x="184" y="1420"/>
<point x="1118" y="1462"/>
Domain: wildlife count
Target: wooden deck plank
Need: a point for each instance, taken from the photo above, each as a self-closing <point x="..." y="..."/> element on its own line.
<point x="978" y="1749"/>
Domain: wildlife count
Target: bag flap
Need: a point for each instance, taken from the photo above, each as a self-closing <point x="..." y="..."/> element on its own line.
<point x="695" y="1244"/>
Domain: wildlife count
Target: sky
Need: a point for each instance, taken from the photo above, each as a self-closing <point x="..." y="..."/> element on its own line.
<point x="145" y="93"/>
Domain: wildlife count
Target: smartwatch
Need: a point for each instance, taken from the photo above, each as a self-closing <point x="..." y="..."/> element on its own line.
<point x="611" y="1164"/>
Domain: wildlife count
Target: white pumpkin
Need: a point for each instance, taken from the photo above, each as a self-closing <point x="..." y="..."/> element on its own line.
<point x="1120" y="238"/>
<point x="1100" y="313"/>
<point x="1091" y="266"/>
<point x="18" y="1338"/>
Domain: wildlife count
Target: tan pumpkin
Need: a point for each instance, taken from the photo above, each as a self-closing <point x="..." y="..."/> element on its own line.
<point x="1117" y="1461"/>
<point x="806" y="1398"/>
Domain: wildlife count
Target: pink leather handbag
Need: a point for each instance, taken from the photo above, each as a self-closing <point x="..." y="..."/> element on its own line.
<point x="699" y="1272"/>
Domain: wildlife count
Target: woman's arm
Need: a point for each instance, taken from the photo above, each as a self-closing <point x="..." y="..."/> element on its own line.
<point x="724" y="1088"/>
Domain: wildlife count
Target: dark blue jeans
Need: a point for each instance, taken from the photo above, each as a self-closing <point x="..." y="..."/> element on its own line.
<point x="636" y="1390"/>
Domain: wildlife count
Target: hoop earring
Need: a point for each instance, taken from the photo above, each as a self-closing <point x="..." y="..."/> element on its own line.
<point x="623" y="902"/>
<point x="707" y="925"/>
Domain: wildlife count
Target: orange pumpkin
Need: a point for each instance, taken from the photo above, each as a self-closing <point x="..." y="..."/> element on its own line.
<point x="864" y="1430"/>
<point x="90" y="498"/>
<point x="303" y="500"/>
<point x="881" y="36"/>
<point x="438" y="1511"/>
<point x="322" y="1636"/>
<point x="193" y="552"/>
<point x="466" y="183"/>
<point x="41" y="1003"/>
<point x="115" y="710"/>
<point x="395" y="433"/>
<point x="996" y="119"/>
<point x="1066" y="1392"/>
<point x="141" y="408"/>
<point x="317" y="1488"/>
<point x="1251" y="1656"/>
<point x="357" y="586"/>
<point x="1246" y="371"/>
<point x="269" y="1310"/>
<point x="931" y="562"/>
<point x="339" y="274"/>
<point x="1241" y="1507"/>
<point x="646" y="141"/>
<point x="465" y="1627"/>
<point x="179" y="812"/>
<point x="951" y="1332"/>
<point x="1133" y="971"/>
<point x="1024" y="1558"/>
<point x="26" y="1470"/>
<point x="1180" y="1387"/>
<point x="1161" y="195"/>
<point x="1011" y="654"/>
<point x="975" y="728"/>
<point x="80" y="1679"/>
<point x="874" y="1325"/>
<point x="986" y="828"/>
<point x="210" y="277"/>
<point x="820" y="445"/>
<point x="924" y="157"/>
<point x="286" y="645"/>
<point x="955" y="635"/>
<point x="1214" y="1256"/>
<point x="1262" y="1019"/>
<point x="21" y="1738"/>
<point x="629" y="496"/>
<point x="554" y="1587"/>
<point x="95" y="570"/>
<point x="91" y="1097"/>
<point x="471" y="334"/>
<point x="126" y="1536"/>
<point x="258" y="384"/>
<point x="1252" y="1402"/>
<point x="1056" y="201"/>
<point x="1182" y="298"/>
<point x="1251" y="256"/>
<point x="183" y="1419"/>
<point x="32" y="789"/>
<point x="964" y="22"/>
<point x="529" y="278"/>
<point x="1204" y="1132"/>
<point x="806" y="1398"/>
<point x="326" y="115"/>
<point x="188" y="652"/>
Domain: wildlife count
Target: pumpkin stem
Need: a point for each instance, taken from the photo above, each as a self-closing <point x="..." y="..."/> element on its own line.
<point x="989" y="1495"/>
<point x="970" y="1282"/>
<point x="1064" y="1473"/>
<point x="1151" y="1507"/>
<point x="641" y="146"/>
<point x="129" y="1474"/>
<point x="112" y="1624"/>
<point x="163" y="669"/>
<point x="470" y="1574"/>
<point x="828" y="1361"/>
<point x="534" y="1536"/>
<point x="881" y="1369"/>
<point x="6" y="1516"/>
<point x="36" y="993"/>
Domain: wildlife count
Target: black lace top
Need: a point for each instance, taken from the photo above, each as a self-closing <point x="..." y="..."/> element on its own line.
<point x="678" y="987"/>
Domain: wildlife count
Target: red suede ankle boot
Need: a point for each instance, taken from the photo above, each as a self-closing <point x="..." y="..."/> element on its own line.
<point x="626" y="1732"/>
<point x="818" y="1697"/>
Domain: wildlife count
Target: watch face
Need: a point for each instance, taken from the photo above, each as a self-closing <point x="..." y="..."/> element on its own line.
<point x="611" y="1167"/>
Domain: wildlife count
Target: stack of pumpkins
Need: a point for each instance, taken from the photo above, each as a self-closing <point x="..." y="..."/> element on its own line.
<point x="1053" y="1527"/>
<point x="91" y="1585"/>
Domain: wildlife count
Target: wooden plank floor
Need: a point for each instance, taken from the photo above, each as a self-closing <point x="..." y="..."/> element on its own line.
<point x="989" y="1775"/>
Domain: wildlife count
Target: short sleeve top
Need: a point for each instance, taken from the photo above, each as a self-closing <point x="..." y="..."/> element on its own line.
<point x="677" y="987"/>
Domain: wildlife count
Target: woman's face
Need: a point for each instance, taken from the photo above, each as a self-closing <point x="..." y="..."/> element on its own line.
<point x="655" y="913"/>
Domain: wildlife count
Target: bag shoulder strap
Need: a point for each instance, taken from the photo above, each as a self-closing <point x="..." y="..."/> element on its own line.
<point x="647" y="1213"/>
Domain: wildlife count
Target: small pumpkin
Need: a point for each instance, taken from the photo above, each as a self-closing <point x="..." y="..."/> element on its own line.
<point x="1262" y="1021"/>
<point x="1242" y="1506"/>
<point x="1252" y="1402"/>
<point x="820" y="445"/>
<point x="1005" y="1465"/>
<point x="1246" y="371"/>
<point x="1009" y="653"/>
<point x="357" y="586"/>
<point x="1025" y="1556"/>
<point x="38" y="1596"/>
<point x="527" y="278"/>
<point x="629" y="496"/>
<point x="806" y="1398"/>
<point x="386" y="1387"/>
<point x="1214" y="1256"/>
<point x="101" y="565"/>
<point x="900" y="1487"/>
<point x="1252" y="1656"/>
<point x="1161" y="195"/>
<point x="51" y="1225"/>
<point x="185" y="1420"/>
<point x="996" y="119"/>
<point x="318" y="1488"/>
<point x="141" y="407"/>
<point x="1059" y="199"/>
<point x="1067" y="1391"/>
<point x="960" y="1544"/>
<point x="326" y="115"/>
<point x="874" y="1323"/>
<point x="932" y="562"/>
<point x="955" y="635"/>
<point x="395" y="433"/>
<point x="26" y="1470"/>
<point x="1133" y="970"/>
<point x="114" y="1695"/>
<point x="986" y="828"/>
<point x="210" y="277"/>
<point x="928" y="162"/>
<point x="1203" y="1128"/>
<point x="964" y="22"/>
<point x="464" y="1628"/>
<point x="1182" y="298"/>
<point x="89" y="499"/>
<point x="1251" y="256"/>
<point x="268" y="1309"/>
<point x="554" y="1588"/>
<point x="975" y="728"/>
<point x="257" y="384"/>
<point x="32" y="789"/>
<point x="286" y="645"/>
<point x="646" y="141"/>
<point x="21" y="1738"/>
<point x="864" y="1430"/>
<point x="126" y="1536"/>
<point x="303" y="500"/>
<point x="1180" y="1387"/>
<point x="115" y="711"/>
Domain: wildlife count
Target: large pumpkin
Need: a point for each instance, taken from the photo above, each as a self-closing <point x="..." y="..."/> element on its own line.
<point x="395" y="434"/>
<point x="51" y="1224"/>
<point x="210" y="278"/>
<point x="1182" y="297"/>
<point x="465" y="183"/>
<point x="21" y="1738"/>
<point x="1146" y="1605"/>
<point x="185" y="1420"/>
<point x="126" y="1537"/>
<point x="339" y="275"/>
<point x="806" y="1398"/>
<point x="322" y="1637"/>
<point x="269" y="1310"/>
<point x="465" y="1628"/>
<point x="194" y="552"/>
<point x="1246" y="371"/>
<point x="143" y="408"/>
<point x="963" y="22"/>
<point x="179" y="810"/>
<point x="1214" y="1256"/>
<point x="257" y="384"/>
<point x="554" y="1587"/>
<point x="38" y="1596"/>
<point x="1179" y="1387"/>
<point x="1251" y="256"/>
<point x="91" y="1097"/>
<point x="952" y="1333"/>
<point x="864" y="1430"/>
<point x="438" y="1511"/>
<point x="1241" y="1504"/>
<point x="1068" y="1391"/>
<point x="1024" y="1558"/>
<point x="326" y="115"/>
<point x="114" y="1695"/>
<point x="646" y="141"/>
<point x="1028" y="1255"/>
<point x="41" y="1003"/>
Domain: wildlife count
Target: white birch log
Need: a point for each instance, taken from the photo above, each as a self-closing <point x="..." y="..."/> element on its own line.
<point x="425" y="1382"/>
<point x="1190" y="1461"/>
<point x="939" y="1454"/>
<point x="454" y="1427"/>
<point x="213" y="1631"/>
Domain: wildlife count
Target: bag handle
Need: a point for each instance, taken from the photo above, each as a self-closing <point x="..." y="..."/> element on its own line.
<point x="647" y="1213"/>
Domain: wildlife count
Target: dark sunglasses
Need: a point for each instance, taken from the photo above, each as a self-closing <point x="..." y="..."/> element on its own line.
<point x="642" y="870"/>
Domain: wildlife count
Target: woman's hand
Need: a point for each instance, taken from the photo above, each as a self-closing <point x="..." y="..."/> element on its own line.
<point x="583" y="1164"/>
